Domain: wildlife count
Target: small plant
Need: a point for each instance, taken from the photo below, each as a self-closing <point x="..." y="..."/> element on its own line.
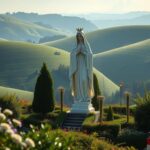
<point x="110" y="115"/>
<point x="142" y="112"/>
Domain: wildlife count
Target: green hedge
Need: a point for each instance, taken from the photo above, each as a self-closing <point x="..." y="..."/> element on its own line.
<point x="130" y="137"/>
<point x="142" y="113"/>
<point x="120" y="109"/>
<point x="104" y="130"/>
<point x="53" y="118"/>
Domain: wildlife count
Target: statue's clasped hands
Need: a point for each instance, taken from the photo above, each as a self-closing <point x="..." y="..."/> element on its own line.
<point x="80" y="51"/>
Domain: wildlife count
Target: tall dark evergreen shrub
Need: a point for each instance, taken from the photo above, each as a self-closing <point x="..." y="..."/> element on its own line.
<point x="110" y="115"/>
<point x="43" y="101"/>
<point x="97" y="92"/>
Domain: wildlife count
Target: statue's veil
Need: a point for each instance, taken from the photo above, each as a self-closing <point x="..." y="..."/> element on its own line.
<point x="86" y="43"/>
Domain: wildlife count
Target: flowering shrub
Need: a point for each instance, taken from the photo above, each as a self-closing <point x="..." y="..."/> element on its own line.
<point x="11" y="102"/>
<point x="13" y="136"/>
<point x="10" y="135"/>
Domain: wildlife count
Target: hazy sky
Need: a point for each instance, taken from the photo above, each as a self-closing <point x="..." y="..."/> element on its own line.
<point x="74" y="6"/>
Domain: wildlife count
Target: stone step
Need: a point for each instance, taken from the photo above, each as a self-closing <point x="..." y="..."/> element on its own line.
<point x="70" y="118"/>
<point x="74" y="120"/>
<point x="77" y="115"/>
<point x="72" y="126"/>
<point x="72" y="123"/>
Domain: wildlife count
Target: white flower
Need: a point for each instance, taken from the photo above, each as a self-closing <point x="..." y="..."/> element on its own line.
<point x="69" y="148"/>
<point x="6" y="148"/>
<point x="42" y="126"/>
<point x="4" y="126"/>
<point x="31" y="126"/>
<point x="29" y="142"/>
<point x="2" y="117"/>
<point x="24" y="144"/>
<point x="17" y="122"/>
<point x="7" y="112"/>
<point x="60" y="144"/>
<point x="22" y="133"/>
<point x="9" y="131"/>
<point x="57" y="138"/>
<point x="16" y="138"/>
<point x="55" y="143"/>
<point x="39" y="142"/>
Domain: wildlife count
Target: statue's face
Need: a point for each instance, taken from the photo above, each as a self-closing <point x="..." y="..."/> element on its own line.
<point x="80" y="38"/>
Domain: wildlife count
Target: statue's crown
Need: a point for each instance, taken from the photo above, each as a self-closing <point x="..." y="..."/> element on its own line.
<point x="79" y="30"/>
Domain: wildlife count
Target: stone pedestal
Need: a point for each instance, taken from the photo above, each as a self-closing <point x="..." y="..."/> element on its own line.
<point x="82" y="107"/>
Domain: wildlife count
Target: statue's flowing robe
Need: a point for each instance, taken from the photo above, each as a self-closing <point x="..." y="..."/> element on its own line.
<point x="81" y="72"/>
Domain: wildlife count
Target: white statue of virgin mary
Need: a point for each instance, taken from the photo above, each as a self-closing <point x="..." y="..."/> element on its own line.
<point x="81" y="69"/>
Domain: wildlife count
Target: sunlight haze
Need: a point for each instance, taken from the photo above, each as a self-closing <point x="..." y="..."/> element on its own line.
<point x="74" y="6"/>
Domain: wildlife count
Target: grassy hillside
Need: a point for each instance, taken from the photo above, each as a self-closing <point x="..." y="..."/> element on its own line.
<point x="106" y="39"/>
<point x="63" y="23"/>
<point x="15" y="29"/>
<point x="129" y="63"/>
<point x="26" y="95"/>
<point x="139" y="19"/>
<point x="2" y="39"/>
<point x="20" y="64"/>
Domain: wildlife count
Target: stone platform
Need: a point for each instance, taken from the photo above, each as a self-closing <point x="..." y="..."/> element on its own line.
<point x="82" y="107"/>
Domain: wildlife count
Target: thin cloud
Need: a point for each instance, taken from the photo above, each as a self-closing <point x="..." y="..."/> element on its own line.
<point x="74" y="6"/>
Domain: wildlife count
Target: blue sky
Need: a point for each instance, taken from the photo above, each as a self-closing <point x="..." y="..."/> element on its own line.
<point x="74" y="6"/>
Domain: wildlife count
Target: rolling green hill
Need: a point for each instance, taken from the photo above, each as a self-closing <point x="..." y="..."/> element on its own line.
<point x="26" y="95"/>
<point x="129" y="63"/>
<point x="2" y="39"/>
<point x="61" y="22"/>
<point x="12" y="28"/>
<point x="106" y="39"/>
<point x="20" y="64"/>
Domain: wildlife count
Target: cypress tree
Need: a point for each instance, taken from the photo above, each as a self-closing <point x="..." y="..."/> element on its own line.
<point x="110" y="115"/>
<point x="97" y="92"/>
<point x="43" y="101"/>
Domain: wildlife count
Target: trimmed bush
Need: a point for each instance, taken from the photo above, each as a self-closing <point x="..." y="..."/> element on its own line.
<point x="130" y="137"/>
<point x="110" y="115"/>
<point x="142" y="113"/>
<point x="11" y="102"/>
<point x="105" y="130"/>
<point x="55" y="119"/>
<point x="120" y="109"/>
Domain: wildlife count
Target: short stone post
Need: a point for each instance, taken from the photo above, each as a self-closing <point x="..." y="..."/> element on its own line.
<point x="61" y="90"/>
<point x="127" y="95"/>
<point x="100" y="99"/>
<point x="121" y="85"/>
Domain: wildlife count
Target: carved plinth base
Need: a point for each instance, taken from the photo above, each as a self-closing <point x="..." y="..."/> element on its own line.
<point x="82" y="107"/>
